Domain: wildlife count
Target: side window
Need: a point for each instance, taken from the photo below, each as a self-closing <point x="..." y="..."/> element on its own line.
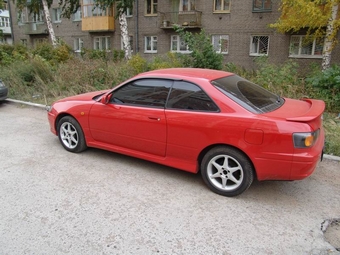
<point x="145" y="92"/>
<point x="188" y="96"/>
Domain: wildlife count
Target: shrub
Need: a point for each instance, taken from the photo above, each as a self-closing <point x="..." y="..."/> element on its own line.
<point x="202" y="53"/>
<point x="326" y="85"/>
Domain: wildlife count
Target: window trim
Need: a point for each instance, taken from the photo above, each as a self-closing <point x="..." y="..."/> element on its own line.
<point x="257" y="53"/>
<point x="222" y="7"/>
<point x="187" y="51"/>
<point x="80" y="44"/>
<point x="220" y="48"/>
<point x="299" y="55"/>
<point x="152" y="44"/>
<point x="56" y="18"/>
<point x="108" y="49"/>
<point x="263" y="9"/>
<point x="152" y="11"/>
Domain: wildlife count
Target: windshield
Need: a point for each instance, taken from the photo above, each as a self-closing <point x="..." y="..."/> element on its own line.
<point x="252" y="97"/>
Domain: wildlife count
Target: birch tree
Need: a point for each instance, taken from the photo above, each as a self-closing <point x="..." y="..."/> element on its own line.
<point x="35" y="7"/>
<point x="71" y="6"/>
<point x="319" y="17"/>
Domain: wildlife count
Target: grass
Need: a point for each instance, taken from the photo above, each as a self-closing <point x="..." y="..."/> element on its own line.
<point x="37" y="80"/>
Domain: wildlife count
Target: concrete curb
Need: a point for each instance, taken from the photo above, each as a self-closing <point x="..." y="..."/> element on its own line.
<point x="326" y="156"/>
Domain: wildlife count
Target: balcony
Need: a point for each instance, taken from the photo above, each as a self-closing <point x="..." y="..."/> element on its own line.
<point x="34" y="28"/>
<point x="6" y="30"/>
<point x="97" y="24"/>
<point x="190" y="19"/>
<point x="96" y="19"/>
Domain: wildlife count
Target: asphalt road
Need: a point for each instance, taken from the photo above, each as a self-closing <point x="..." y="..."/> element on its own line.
<point x="97" y="202"/>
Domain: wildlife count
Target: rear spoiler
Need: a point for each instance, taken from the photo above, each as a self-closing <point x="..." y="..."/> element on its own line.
<point x="316" y="109"/>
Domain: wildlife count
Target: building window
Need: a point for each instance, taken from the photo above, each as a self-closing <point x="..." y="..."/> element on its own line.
<point x="102" y="43"/>
<point x="220" y="43"/>
<point x="179" y="45"/>
<point x="91" y="10"/>
<point x="151" y="7"/>
<point x="300" y="47"/>
<point x="222" y="5"/>
<point x="128" y="12"/>
<point x="38" y="18"/>
<point x="77" y="15"/>
<point x="130" y="42"/>
<point x="262" y="5"/>
<point x="259" y="45"/>
<point x="187" y="5"/>
<point x="56" y="15"/>
<point x="4" y="22"/>
<point x="78" y="44"/>
<point x="150" y="44"/>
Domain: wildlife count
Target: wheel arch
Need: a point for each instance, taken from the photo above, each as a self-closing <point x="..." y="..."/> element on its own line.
<point x="59" y="117"/>
<point x="206" y="149"/>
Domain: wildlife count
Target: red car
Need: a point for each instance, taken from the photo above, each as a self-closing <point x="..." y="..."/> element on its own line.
<point x="215" y="122"/>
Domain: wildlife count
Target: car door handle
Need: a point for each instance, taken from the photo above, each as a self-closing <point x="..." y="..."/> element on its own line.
<point x="155" y="118"/>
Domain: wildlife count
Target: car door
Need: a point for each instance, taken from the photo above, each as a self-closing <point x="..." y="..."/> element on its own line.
<point x="191" y="119"/>
<point x="134" y="118"/>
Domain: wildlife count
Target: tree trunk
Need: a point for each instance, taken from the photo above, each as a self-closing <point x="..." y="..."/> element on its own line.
<point x="49" y="23"/>
<point x="124" y="34"/>
<point x="330" y="38"/>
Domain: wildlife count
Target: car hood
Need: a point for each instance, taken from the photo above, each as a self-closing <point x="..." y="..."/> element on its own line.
<point x="84" y="97"/>
<point x="305" y="110"/>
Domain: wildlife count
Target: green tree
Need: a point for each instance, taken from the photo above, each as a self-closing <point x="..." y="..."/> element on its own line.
<point x="319" y="17"/>
<point x="202" y="53"/>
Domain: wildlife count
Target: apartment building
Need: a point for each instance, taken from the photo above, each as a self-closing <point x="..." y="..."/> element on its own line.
<point x="239" y="29"/>
<point x="5" y="25"/>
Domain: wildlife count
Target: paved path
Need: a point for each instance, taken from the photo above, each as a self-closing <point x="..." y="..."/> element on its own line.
<point x="97" y="202"/>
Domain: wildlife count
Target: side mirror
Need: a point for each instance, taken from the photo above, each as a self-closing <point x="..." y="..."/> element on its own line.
<point x="106" y="98"/>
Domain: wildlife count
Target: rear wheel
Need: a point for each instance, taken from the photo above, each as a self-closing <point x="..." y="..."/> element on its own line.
<point x="227" y="171"/>
<point x="71" y="135"/>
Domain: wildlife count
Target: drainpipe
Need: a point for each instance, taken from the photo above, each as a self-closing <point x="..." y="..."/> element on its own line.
<point x="137" y="26"/>
<point x="11" y="22"/>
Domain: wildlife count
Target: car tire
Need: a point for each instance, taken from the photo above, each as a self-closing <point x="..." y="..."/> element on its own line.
<point x="71" y="134"/>
<point x="227" y="171"/>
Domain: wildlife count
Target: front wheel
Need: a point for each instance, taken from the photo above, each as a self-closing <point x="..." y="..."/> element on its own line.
<point x="227" y="171"/>
<point x="71" y="135"/>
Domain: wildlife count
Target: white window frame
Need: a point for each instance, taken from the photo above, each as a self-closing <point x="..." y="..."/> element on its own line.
<point x="153" y="12"/>
<point x="152" y="42"/>
<point x="102" y="40"/>
<point x="191" y="5"/>
<point x="222" y="6"/>
<point x="300" y="54"/>
<point x="178" y="40"/>
<point x="78" y="44"/>
<point x="219" y="44"/>
<point x="39" y="18"/>
<point x="77" y="15"/>
<point x="255" y="49"/>
<point x="56" y="15"/>
<point x="129" y="13"/>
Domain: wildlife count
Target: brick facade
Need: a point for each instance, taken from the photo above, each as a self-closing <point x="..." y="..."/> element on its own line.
<point x="240" y="24"/>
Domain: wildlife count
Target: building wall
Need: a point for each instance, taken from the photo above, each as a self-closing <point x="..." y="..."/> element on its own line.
<point x="240" y="24"/>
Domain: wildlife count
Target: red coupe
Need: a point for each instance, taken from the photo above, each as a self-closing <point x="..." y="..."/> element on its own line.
<point x="215" y="122"/>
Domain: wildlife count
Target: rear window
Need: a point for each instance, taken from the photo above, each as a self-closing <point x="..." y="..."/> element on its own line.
<point x="252" y="97"/>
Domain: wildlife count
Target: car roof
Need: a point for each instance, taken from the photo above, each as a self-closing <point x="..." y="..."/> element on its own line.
<point x="180" y="73"/>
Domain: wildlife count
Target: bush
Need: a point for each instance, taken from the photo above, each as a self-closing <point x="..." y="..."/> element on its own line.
<point x="202" y="53"/>
<point x="280" y="79"/>
<point x="326" y="85"/>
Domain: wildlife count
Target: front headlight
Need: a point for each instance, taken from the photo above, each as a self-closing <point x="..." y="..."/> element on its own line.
<point x="2" y="84"/>
<point x="305" y="140"/>
<point x="48" y="108"/>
